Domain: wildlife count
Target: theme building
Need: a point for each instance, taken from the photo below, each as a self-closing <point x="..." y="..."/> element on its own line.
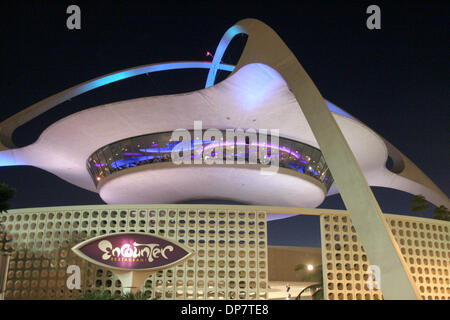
<point x="263" y="136"/>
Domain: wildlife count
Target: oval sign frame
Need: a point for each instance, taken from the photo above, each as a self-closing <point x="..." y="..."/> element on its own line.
<point x="77" y="250"/>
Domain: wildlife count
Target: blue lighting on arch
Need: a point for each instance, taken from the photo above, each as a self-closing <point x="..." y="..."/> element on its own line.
<point x="8" y="159"/>
<point x="336" y="109"/>
<point x="121" y="75"/>
<point x="222" y="47"/>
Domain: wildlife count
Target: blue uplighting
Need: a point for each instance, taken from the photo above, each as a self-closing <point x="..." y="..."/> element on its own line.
<point x="253" y="97"/>
<point x="221" y="48"/>
<point x="121" y="75"/>
<point x="336" y="109"/>
<point x="7" y="159"/>
<point x="129" y="162"/>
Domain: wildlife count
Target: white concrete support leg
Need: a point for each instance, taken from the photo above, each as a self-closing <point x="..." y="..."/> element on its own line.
<point x="265" y="46"/>
<point x="132" y="281"/>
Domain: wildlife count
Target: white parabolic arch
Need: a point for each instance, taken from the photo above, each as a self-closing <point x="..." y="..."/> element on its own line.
<point x="266" y="47"/>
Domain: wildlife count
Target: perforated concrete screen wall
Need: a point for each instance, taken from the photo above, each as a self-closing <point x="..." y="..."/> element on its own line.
<point x="230" y="260"/>
<point x="424" y="243"/>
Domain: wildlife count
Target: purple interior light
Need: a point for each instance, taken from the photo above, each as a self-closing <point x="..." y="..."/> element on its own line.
<point x="99" y="164"/>
<point x="156" y="150"/>
<point x="228" y="144"/>
<point x="132" y="154"/>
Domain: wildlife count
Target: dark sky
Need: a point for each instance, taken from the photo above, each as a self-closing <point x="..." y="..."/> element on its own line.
<point x="396" y="80"/>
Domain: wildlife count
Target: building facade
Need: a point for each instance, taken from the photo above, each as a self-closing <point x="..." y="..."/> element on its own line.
<point x="231" y="258"/>
<point x="125" y="152"/>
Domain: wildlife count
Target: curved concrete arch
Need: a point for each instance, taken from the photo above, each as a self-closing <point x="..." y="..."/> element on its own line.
<point x="64" y="146"/>
<point x="403" y="166"/>
<point x="220" y="51"/>
<point x="404" y="174"/>
<point x="398" y="165"/>
<point x="8" y="126"/>
<point x="266" y="47"/>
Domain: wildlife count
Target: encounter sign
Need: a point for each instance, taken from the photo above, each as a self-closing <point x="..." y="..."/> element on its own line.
<point x="132" y="251"/>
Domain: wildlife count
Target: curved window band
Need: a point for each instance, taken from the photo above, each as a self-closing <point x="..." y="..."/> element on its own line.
<point x="158" y="147"/>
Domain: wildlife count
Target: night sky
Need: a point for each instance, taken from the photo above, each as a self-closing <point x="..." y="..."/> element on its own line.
<point x="395" y="80"/>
